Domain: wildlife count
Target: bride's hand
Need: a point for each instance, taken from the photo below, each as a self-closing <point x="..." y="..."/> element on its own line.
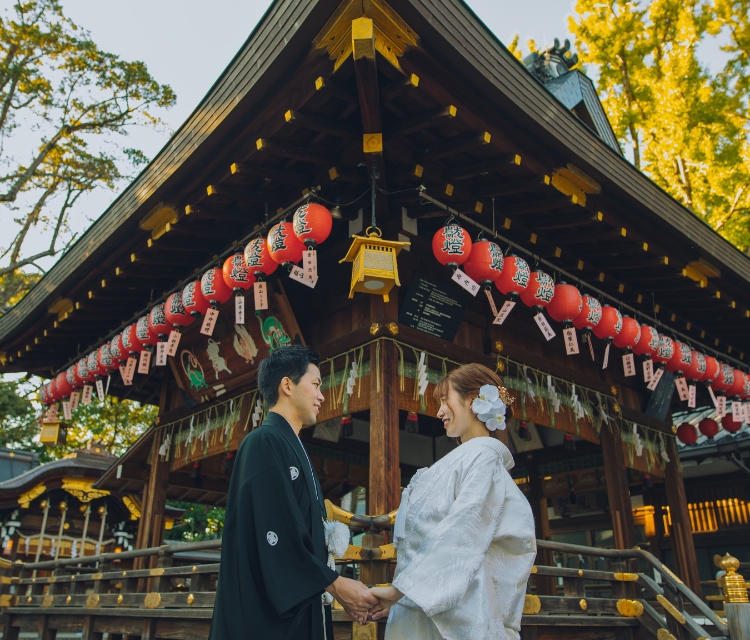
<point x="388" y="596"/>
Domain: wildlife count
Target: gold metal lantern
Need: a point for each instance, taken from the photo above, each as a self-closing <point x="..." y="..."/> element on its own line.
<point x="54" y="433"/>
<point x="375" y="269"/>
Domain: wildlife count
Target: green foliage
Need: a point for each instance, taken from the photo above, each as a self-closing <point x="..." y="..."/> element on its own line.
<point x="688" y="129"/>
<point x="18" y="417"/>
<point x="200" y="522"/>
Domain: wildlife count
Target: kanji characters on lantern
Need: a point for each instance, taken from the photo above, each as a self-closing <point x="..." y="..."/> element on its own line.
<point x="451" y="245"/>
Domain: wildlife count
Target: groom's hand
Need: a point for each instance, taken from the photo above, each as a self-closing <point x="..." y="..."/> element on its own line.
<point x="354" y="597"/>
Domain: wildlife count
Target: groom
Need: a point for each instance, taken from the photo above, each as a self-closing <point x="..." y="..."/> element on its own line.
<point x="273" y="568"/>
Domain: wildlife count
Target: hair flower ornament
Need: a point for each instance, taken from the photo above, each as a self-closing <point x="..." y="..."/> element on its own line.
<point x="490" y="407"/>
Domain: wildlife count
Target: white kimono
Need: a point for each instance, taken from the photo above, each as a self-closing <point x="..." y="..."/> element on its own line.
<point x="468" y="548"/>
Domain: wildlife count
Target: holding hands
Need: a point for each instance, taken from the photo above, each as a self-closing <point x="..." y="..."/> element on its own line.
<point x="355" y="597"/>
<point x="387" y="596"/>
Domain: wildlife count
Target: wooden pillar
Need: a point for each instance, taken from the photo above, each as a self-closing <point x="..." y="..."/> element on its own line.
<point x="680" y="532"/>
<point x="151" y="529"/>
<point x="545" y="585"/>
<point x="618" y="491"/>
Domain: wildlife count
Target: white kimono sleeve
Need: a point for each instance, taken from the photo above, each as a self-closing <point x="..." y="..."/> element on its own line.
<point x="441" y="571"/>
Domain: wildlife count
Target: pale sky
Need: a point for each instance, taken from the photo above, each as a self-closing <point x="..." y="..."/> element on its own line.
<point x="188" y="43"/>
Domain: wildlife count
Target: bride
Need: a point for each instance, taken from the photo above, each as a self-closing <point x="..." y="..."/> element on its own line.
<point x="464" y="531"/>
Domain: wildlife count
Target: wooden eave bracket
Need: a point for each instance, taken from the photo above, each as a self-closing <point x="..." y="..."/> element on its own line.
<point x="393" y="37"/>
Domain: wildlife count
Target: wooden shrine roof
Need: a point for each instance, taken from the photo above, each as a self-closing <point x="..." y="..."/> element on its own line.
<point x="459" y="115"/>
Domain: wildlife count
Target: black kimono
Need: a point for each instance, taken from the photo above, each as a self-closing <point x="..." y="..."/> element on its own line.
<point x="273" y="554"/>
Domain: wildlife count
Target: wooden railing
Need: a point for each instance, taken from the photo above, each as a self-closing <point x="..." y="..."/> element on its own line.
<point x="173" y="595"/>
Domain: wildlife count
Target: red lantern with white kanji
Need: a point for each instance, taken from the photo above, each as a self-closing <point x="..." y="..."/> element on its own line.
<point x="590" y="316"/>
<point x="193" y="301"/>
<point x="95" y="368"/>
<point x="258" y="258"/>
<point x="566" y="304"/>
<point x="143" y="333"/>
<point x="648" y="343"/>
<point x="725" y="378"/>
<point x="665" y="351"/>
<point x="82" y="371"/>
<point x="236" y="274"/>
<point x="44" y="397"/>
<point x="283" y="246"/>
<point x="175" y="313"/>
<point x="514" y="277"/>
<point x="730" y="425"/>
<point x="451" y="245"/>
<point x="213" y="287"/>
<point x="712" y="370"/>
<point x="72" y="378"/>
<point x="681" y="359"/>
<point x="697" y="367"/>
<point x="629" y="335"/>
<point x="130" y="342"/>
<point x="312" y="224"/>
<point x="746" y="390"/>
<point x="117" y="349"/>
<point x="687" y="433"/>
<point x="158" y="325"/>
<point x="64" y="388"/>
<point x="708" y="427"/>
<point x="738" y="385"/>
<point x="610" y="324"/>
<point x="540" y="290"/>
<point x="485" y="263"/>
<point x="105" y="359"/>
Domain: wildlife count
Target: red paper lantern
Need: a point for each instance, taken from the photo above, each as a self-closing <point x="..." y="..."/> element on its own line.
<point x="514" y="277"/>
<point x="610" y="324"/>
<point x="105" y="359"/>
<point x="451" y="245"/>
<point x="117" y="349"/>
<point x="540" y="290"/>
<point x="143" y="333"/>
<point x="258" y="258"/>
<point x="629" y="335"/>
<point x="95" y="369"/>
<point x="687" y="433"/>
<point x="725" y="378"/>
<point x="82" y="371"/>
<point x="708" y="427"/>
<point x="665" y="350"/>
<point x="213" y="287"/>
<point x="712" y="370"/>
<point x="283" y="245"/>
<point x="591" y="314"/>
<point x="236" y="274"/>
<point x="648" y="343"/>
<point x="485" y="263"/>
<point x="176" y="314"/>
<point x="566" y="304"/>
<point x="158" y="325"/>
<point x="738" y="384"/>
<point x="44" y="394"/>
<point x="730" y="425"/>
<point x="73" y="380"/>
<point x="64" y="388"/>
<point x="130" y="341"/>
<point x="697" y="366"/>
<point x="746" y="390"/>
<point x="312" y="224"/>
<point x="681" y="359"/>
<point x="193" y="301"/>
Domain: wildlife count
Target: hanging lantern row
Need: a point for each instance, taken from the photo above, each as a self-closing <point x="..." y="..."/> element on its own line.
<point x="485" y="264"/>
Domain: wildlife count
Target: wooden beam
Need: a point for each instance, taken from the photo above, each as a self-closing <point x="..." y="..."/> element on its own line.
<point x="459" y="144"/>
<point x="332" y="88"/>
<point x="249" y="170"/>
<point x="511" y="188"/>
<point x="519" y="208"/>
<point x="618" y="491"/>
<point x="483" y="168"/>
<point x="208" y="212"/>
<point x="424" y="120"/>
<point x="401" y="86"/>
<point x="323" y="125"/>
<point x="566" y="221"/>
<point x="231" y="194"/>
<point x="294" y="152"/>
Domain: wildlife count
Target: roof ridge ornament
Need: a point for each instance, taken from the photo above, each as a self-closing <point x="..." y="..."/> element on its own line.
<point x="393" y="37"/>
<point x="551" y="62"/>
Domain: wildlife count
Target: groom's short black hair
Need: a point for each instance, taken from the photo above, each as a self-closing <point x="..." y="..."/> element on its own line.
<point x="285" y="362"/>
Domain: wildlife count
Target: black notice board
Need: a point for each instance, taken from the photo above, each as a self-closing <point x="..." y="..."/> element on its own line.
<point x="434" y="307"/>
<point x="661" y="397"/>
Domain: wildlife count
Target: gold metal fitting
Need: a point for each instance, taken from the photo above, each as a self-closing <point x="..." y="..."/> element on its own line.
<point x="733" y="583"/>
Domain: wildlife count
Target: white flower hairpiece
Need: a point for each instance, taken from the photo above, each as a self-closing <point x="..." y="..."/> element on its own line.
<point x="489" y="407"/>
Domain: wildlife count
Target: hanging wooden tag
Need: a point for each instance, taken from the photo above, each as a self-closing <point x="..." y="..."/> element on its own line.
<point x="67" y="413"/>
<point x="310" y="265"/>
<point x="491" y="300"/>
<point x="738" y="413"/>
<point x="692" y="396"/>
<point x="714" y="399"/>
<point x="173" y="342"/>
<point x="52" y="413"/>
<point x="655" y="379"/>
<point x="299" y="275"/>
<point x="682" y="388"/>
<point x="88" y="391"/>
<point x="209" y="322"/>
<point x="504" y="311"/>
<point x="130" y="366"/>
<point x="239" y="309"/>
<point x="144" y="362"/>
<point x="460" y="278"/>
<point x="591" y="347"/>
<point x="100" y="389"/>
<point x="721" y="406"/>
<point x="648" y="370"/>
<point x="606" y="356"/>
<point x="161" y="354"/>
<point x="571" y="341"/>
<point x="260" y="291"/>
<point x="746" y="408"/>
<point x="628" y="365"/>
<point x="106" y="388"/>
<point x="75" y="397"/>
<point x="544" y="327"/>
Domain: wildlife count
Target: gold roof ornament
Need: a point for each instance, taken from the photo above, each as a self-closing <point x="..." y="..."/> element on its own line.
<point x="82" y="489"/>
<point x="375" y="269"/>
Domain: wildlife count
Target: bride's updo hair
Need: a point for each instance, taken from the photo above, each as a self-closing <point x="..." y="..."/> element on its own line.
<point x="466" y="381"/>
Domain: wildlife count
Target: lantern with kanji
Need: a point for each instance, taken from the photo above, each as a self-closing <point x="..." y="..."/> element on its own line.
<point x="258" y="259"/>
<point x="283" y="246"/>
<point x="566" y="303"/>
<point x="117" y="350"/>
<point x="681" y="359"/>
<point x="649" y="342"/>
<point x="540" y="290"/>
<point x="236" y="275"/>
<point x="44" y="396"/>
<point x="64" y="388"/>
<point x="610" y="324"/>
<point x="629" y="336"/>
<point x="70" y="374"/>
<point x="312" y="224"/>
<point x="738" y="385"/>
<point x="213" y="287"/>
<point x="158" y="325"/>
<point x="590" y="316"/>
<point x="451" y="245"/>
<point x="105" y="359"/>
<point x="130" y="341"/>
<point x="485" y="263"/>
<point x="82" y="371"/>
<point x="687" y="433"/>
<point x="193" y="300"/>
<point x="95" y="368"/>
<point x="697" y="366"/>
<point x="142" y="332"/>
<point x="712" y="370"/>
<point x="746" y="390"/>
<point x="176" y="313"/>
<point x="514" y="277"/>
<point x="708" y="427"/>
<point x="665" y="350"/>
<point x="730" y="425"/>
<point x="725" y="378"/>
